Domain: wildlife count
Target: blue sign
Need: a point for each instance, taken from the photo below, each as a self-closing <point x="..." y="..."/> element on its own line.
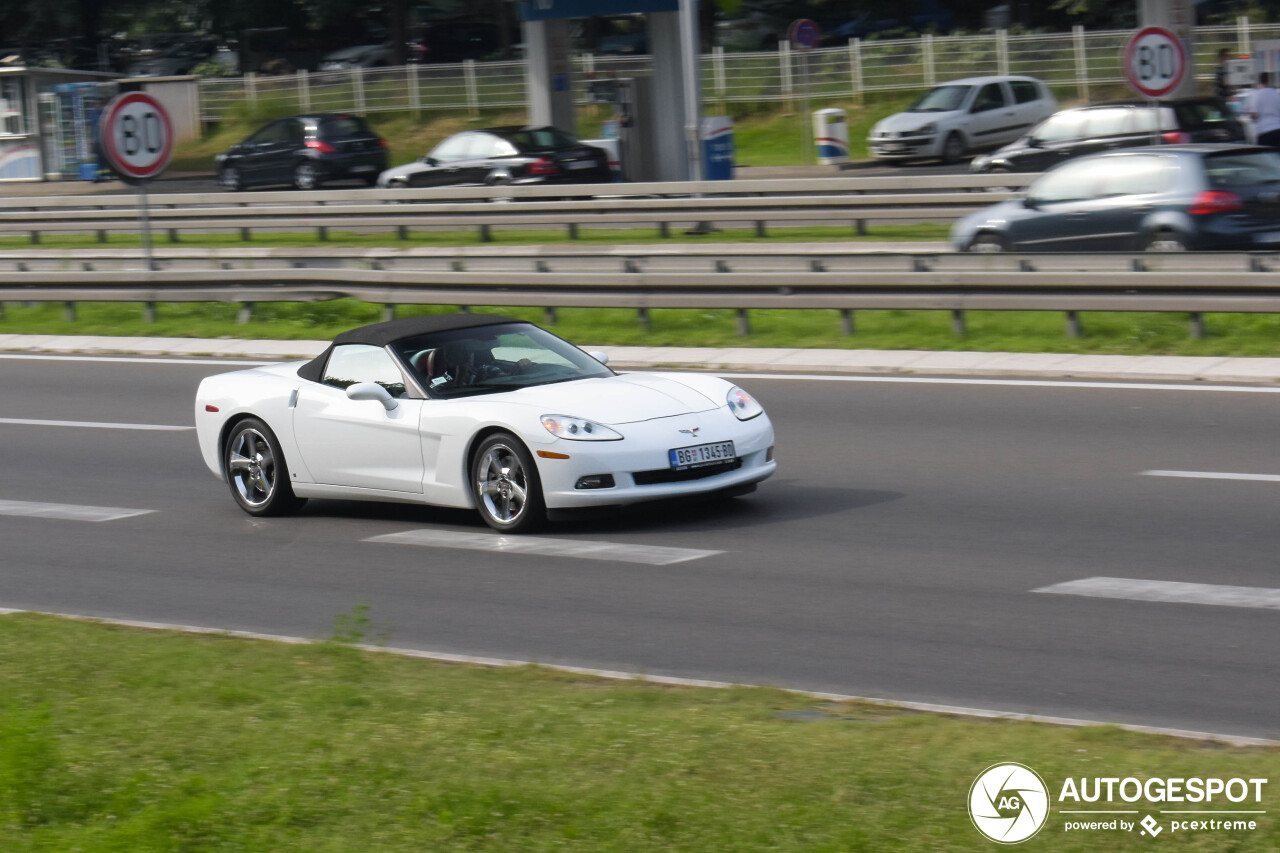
<point x="804" y="34"/>
<point x="717" y="148"/>
<point x="549" y="10"/>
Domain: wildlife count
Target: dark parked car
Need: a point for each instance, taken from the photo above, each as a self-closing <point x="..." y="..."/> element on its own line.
<point x="1121" y="124"/>
<point x="1157" y="198"/>
<point x="504" y="155"/>
<point x="305" y="151"/>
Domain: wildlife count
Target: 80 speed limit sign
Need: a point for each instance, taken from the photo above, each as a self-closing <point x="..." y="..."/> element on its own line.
<point x="136" y="136"/>
<point x="1154" y="61"/>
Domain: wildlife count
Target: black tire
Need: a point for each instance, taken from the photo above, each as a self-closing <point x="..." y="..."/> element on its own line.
<point x="229" y="178"/>
<point x="1166" y="241"/>
<point x="505" y="485"/>
<point x="953" y="148"/>
<point x="255" y="469"/>
<point x="988" y="244"/>
<point x="306" y="176"/>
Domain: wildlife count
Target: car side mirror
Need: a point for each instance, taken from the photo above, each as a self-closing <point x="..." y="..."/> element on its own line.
<point x="602" y="357"/>
<point x="431" y="161"/>
<point x="372" y="391"/>
<point x="1032" y="142"/>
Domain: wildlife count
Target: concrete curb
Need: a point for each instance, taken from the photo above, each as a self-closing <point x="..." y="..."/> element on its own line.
<point x="852" y="362"/>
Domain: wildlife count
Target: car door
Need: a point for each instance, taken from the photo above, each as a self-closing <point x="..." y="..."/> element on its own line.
<point x="1058" y="208"/>
<point x="359" y="443"/>
<point x="448" y="156"/>
<point x="1051" y="143"/>
<point x="1126" y="190"/>
<point x="1032" y="103"/>
<point x="474" y="169"/>
<point x="991" y="120"/>
<point x="253" y="160"/>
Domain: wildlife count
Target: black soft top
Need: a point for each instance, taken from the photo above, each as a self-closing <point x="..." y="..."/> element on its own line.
<point x="381" y="334"/>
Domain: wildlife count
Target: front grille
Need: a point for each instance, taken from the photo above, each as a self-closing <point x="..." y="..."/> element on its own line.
<point x="668" y="475"/>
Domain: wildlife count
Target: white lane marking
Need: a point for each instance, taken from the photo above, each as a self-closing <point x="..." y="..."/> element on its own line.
<point x="1024" y="383"/>
<point x="653" y="555"/>
<point x="1133" y="589"/>
<point x="674" y="680"/>
<point x="1213" y="475"/>
<point x="94" y="425"/>
<point x="68" y="512"/>
<point x="142" y="359"/>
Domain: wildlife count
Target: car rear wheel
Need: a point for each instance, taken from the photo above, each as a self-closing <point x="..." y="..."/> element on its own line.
<point x="306" y="176"/>
<point x="988" y="244"/>
<point x="254" y="467"/>
<point x="1166" y="241"/>
<point x="230" y="178"/>
<point x="505" y="485"/>
<point x="953" y="148"/>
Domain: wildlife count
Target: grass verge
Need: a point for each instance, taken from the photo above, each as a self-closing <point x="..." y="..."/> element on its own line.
<point x="117" y="739"/>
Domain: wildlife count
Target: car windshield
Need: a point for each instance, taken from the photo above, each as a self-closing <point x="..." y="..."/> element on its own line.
<point x="943" y="99"/>
<point x="490" y="359"/>
<point x="336" y="127"/>
<point x="1240" y="169"/>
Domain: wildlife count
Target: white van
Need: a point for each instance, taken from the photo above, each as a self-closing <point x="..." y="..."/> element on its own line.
<point x="954" y="119"/>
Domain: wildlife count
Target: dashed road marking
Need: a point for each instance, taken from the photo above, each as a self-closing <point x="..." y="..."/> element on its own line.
<point x="653" y="555"/>
<point x="68" y="512"/>
<point x="95" y="425"/>
<point x="1133" y="589"/>
<point x="1214" y="475"/>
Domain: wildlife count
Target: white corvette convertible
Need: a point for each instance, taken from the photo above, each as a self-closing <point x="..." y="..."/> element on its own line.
<point x="470" y="410"/>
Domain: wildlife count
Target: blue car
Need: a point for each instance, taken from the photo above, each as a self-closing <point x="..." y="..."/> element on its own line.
<point x="1157" y="198"/>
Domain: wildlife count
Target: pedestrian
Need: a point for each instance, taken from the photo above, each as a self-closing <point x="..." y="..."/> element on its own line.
<point x="1220" y="86"/>
<point x="1264" y="108"/>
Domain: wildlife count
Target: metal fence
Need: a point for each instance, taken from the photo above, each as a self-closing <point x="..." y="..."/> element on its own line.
<point x="1074" y="61"/>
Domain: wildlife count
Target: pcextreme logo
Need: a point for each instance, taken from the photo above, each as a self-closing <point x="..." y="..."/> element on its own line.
<point x="1009" y="803"/>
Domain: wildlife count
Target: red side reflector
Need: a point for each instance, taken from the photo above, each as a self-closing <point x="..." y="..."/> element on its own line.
<point x="209" y="408"/>
<point x="322" y="147"/>
<point x="1214" y="201"/>
<point x="547" y="454"/>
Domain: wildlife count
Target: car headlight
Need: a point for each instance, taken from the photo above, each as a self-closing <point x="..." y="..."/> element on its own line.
<point x="577" y="429"/>
<point x="931" y="127"/>
<point x="742" y="404"/>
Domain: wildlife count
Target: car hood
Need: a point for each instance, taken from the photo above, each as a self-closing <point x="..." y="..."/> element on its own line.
<point x="622" y="399"/>
<point x="907" y="122"/>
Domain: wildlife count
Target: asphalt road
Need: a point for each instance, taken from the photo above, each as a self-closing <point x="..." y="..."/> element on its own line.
<point x="893" y="555"/>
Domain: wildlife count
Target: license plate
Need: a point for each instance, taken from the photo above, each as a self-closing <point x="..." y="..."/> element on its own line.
<point x="582" y="164"/>
<point x="1268" y="237"/>
<point x="701" y="454"/>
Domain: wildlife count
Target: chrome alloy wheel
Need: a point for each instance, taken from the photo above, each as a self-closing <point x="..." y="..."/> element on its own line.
<point x="251" y="467"/>
<point x="502" y="485"/>
<point x="306" y="176"/>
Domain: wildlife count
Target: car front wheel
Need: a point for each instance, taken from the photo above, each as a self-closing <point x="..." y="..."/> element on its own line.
<point x="988" y="244"/>
<point x="505" y="485"/>
<point x="953" y="148"/>
<point x="254" y="467"/>
<point x="231" y="179"/>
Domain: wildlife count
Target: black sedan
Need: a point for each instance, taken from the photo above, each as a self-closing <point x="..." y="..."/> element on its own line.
<point x="1157" y="198"/>
<point x="504" y="155"/>
<point x="305" y="151"/>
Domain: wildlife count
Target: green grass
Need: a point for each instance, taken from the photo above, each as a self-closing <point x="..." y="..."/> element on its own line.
<point x="988" y="331"/>
<point x="116" y="739"/>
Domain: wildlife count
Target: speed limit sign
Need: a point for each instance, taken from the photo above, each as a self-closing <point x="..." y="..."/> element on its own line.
<point x="136" y="136"/>
<point x="1154" y="61"/>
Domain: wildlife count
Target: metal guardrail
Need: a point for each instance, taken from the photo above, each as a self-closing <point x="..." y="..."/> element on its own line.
<point x="990" y="284"/>
<point x="763" y="202"/>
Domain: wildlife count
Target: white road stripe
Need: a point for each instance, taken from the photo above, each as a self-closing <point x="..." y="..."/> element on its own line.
<point x="239" y="362"/>
<point x="1025" y="383"/>
<point x="1133" y="589"/>
<point x="68" y="512"/>
<point x="674" y="680"/>
<point x="1214" y="475"/>
<point x="94" y="425"/>
<point x="653" y="555"/>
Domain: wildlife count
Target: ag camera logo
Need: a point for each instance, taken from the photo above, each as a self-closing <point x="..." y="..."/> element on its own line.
<point x="1008" y="803"/>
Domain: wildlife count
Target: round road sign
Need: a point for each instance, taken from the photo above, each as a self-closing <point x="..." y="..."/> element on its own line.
<point x="803" y="34"/>
<point x="136" y="136"/>
<point x="1154" y="61"/>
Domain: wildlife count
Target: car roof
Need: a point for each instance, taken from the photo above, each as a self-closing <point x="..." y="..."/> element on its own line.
<point x="993" y="78"/>
<point x="381" y="334"/>
<point x="1137" y="102"/>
